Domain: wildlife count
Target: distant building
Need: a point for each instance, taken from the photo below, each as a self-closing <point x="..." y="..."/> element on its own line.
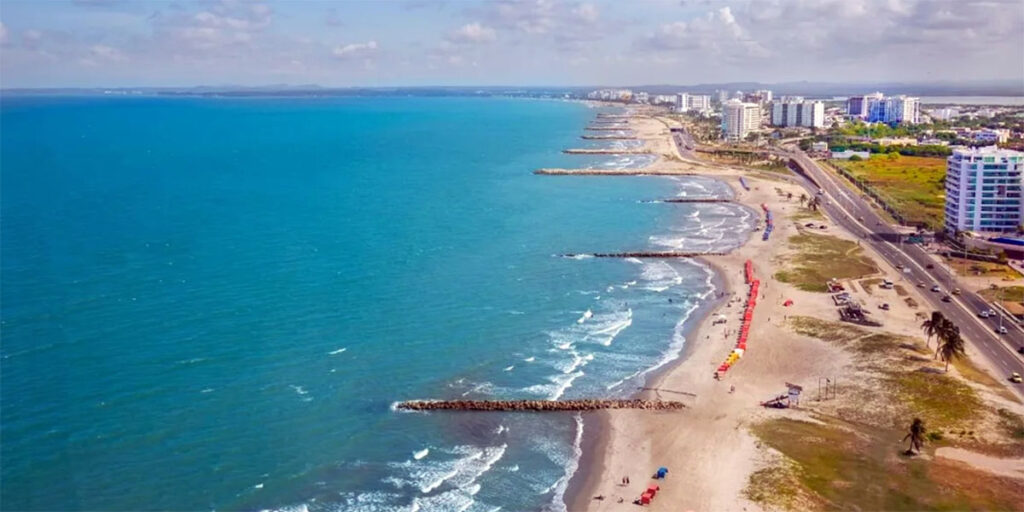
<point x="990" y="136"/>
<point x="846" y="154"/>
<point x="857" y="106"/>
<point x="723" y="95"/>
<point x="819" y="147"/>
<point x="739" y="119"/>
<point x="641" y="97"/>
<point x="933" y="142"/>
<point x="700" y="102"/>
<point x="983" y="190"/>
<point x="795" y="111"/>
<point x="686" y="102"/>
<point x="944" y="114"/>
<point x="897" y="141"/>
<point x="894" y="109"/>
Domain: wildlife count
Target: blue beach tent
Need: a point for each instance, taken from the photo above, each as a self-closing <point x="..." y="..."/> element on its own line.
<point x="662" y="472"/>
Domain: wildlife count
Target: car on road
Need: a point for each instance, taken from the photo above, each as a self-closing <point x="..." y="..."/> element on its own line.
<point x="1020" y="350"/>
<point x="935" y="288"/>
<point x="884" y="307"/>
<point x="929" y="266"/>
<point x="983" y="313"/>
<point x="946" y="298"/>
<point x="1015" y="378"/>
<point x="956" y="291"/>
<point x="1001" y="329"/>
<point x="920" y="285"/>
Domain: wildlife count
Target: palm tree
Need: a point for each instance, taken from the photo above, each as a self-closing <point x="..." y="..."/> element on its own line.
<point x="953" y="348"/>
<point x="916" y="436"/>
<point x="943" y="332"/>
<point x="931" y="326"/>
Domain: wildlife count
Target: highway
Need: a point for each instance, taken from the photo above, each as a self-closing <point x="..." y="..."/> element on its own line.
<point x="848" y="209"/>
<point x="853" y="213"/>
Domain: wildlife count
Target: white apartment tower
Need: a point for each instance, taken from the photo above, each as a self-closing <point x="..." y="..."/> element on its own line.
<point x="983" y="190"/>
<point x="795" y="111"/>
<point x="682" y="102"/>
<point x="739" y="119"/>
<point x="686" y="102"/>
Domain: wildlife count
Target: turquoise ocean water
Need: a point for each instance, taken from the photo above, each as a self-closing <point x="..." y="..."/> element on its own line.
<point x="212" y="304"/>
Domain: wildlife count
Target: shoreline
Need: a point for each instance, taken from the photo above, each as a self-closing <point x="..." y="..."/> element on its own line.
<point x="597" y="432"/>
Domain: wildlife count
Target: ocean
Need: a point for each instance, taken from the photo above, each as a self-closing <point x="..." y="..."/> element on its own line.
<point x="213" y="304"/>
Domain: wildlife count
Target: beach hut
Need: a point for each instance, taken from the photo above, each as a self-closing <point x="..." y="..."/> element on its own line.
<point x="645" y="499"/>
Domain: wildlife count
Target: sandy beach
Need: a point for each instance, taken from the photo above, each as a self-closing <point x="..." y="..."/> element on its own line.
<point x="709" y="448"/>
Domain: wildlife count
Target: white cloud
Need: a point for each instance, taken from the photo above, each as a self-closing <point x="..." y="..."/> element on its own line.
<point x="586" y="13"/>
<point x="473" y="33"/>
<point x="354" y="49"/>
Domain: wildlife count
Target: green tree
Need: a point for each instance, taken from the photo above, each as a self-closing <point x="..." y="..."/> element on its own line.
<point x="952" y="346"/>
<point x="916" y="436"/>
<point x="932" y="325"/>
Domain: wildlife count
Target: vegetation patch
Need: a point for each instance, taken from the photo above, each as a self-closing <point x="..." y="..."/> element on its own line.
<point x="849" y="470"/>
<point x="819" y="258"/>
<point x="913" y="185"/>
<point x="992" y="269"/>
<point x="825" y="330"/>
<point x="1006" y="293"/>
<point x="777" y="487"/>
<point x="901" y="291"/>
<point x="942" y="401"/>
<point x="971" y="372"/>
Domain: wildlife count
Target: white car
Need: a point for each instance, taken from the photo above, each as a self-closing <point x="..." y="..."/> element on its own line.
<point x="935" y="288"/>
<point x="1001" y="330"/>
<point x="984" y="313"/>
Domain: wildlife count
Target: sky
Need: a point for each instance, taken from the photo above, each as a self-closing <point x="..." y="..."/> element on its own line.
<point x="125" y="43"/>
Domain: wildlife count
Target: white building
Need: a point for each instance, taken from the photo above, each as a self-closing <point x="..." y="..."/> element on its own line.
<point x="983" y="190"/>
<point x="739" y="119"/>
<point x="700" y="102"/>
<point x="641" y="97"/>
<point x="686" y="102"/>
<point x="893" y="109"/>
<point x="944" y="114"/>
<point x="990" y="136"/>
<point x="795" y="111"/>
<point x="682" y="102"/>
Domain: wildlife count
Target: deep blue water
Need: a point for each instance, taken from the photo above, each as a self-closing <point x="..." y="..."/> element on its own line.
<point x="212" y="304"/>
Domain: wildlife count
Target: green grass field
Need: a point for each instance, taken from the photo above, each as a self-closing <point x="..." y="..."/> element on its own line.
<point x="912" y="184"/>
<point x="823" y="257"/>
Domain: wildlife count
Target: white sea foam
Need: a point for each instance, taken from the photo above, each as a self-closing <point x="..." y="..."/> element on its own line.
<point x="460" y="474"/>
<point x="635" y="261"/>
<point x="581" y="256"/>
<point x="509" y="368"/>
<point x="530" y="359"/>
<point x="501" y="429"/>
<point x="586" y="316"/>
<point x="335" y="352"/>
<point x="420" y="454"/>
<point x="559" y="488"/>
<point x="556" y="387"/>
<point x="299" y="389"/>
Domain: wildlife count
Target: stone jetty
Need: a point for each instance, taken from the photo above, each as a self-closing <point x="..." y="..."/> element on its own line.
<point x="613" y="116"/>
<point x="538" y="405"/>
<point x="607" y="151"/>
<point x="645" y="254"/>
<point x="604" y="129"/>
<point x="612" y="172"/>
<point x="609" y="137"/>
<point x="694" y="200"/>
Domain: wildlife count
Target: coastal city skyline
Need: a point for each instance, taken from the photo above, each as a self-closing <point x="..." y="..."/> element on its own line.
<point x="516" y="255"/>
<point x="112" y="43"/>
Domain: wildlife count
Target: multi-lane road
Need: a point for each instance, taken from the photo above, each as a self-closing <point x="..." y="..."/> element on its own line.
<point x="852" y="212"/>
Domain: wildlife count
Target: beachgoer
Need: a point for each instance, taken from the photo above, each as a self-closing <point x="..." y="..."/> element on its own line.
<point x="732" y="388"/>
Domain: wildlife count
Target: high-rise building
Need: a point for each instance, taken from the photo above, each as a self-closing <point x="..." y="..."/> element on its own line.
<point x="739" y="119"/>
<point x="723" y="95"/>
<point x="682" y="102"/>
<point x="983" y="190"/>
<point x="893" y="109"/>
<point x="686" y="102"/>
<point x="795" y="111"/>
<point x="700" y="102"/>
<point x="857" y="106"/>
